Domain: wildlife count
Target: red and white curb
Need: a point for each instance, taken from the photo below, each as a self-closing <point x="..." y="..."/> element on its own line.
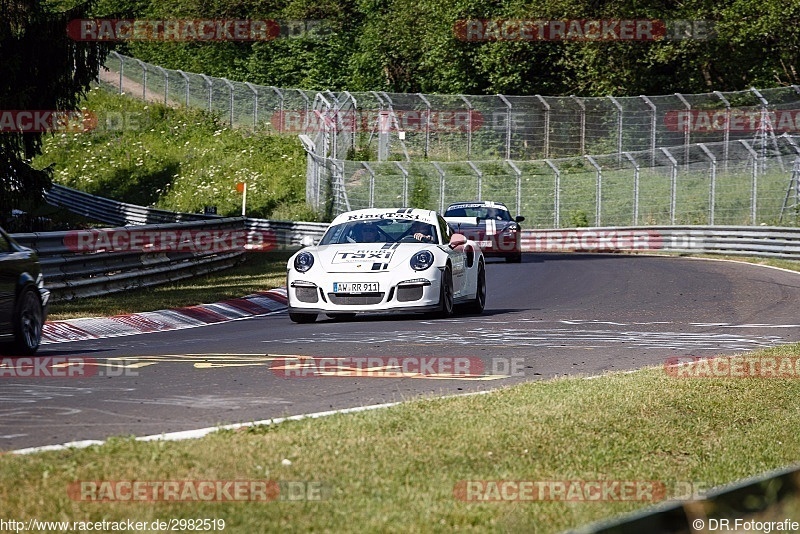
<point x="262" y="303"/>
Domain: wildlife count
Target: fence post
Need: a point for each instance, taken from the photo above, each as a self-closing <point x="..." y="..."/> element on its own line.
<point x="509" y="108"/>
<point x="764" y="129"/>
<point x="307" y="109"/>
<point x="598" y="210"/>
<point x="230" y="100"/>
<point x="427" y="124"/>
<point x="441" y="185"/>
<point x="582" y="105"/>
<point x="754" y="191"/>
<point x="686" y="130"/>
<point x="556" y="195"/>
<point x="619" y="128"/>
<point x="166" y="83"/>
<point x="371" y="183"/>
<point x="479" y="174"/>
<point x="518" y="172"/>
<point x="673" y="188"/>
<point x="469" y="127"/>
<point x="405" y="184"/>
<point x="121" y="68"/>
<point x="726" y="135"/>
<point x="653" y="111"/>
<point x="281" y="110"/>
<point x="254" y="90"/>
<point x="352" y="120"/>
<point x="210" y="84"/>
<point x="383" y="136"/>
<point x="546" y="141"/>
<point x="635" y="187"/>
<point x="712" y="193"/>
<point x="186" y="79"/>
<point x="144" y="78"/>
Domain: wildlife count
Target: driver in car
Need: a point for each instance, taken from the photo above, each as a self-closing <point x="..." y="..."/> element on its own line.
<point x="369" y="234"/>
<point x="422" y="232"/>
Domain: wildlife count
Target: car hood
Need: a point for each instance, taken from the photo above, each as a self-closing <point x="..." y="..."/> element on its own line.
<point x="472" y="228"/>
<point x="366" y="257"/>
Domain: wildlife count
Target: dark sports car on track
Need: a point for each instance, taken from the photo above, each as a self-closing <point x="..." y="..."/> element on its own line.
<point x="489" y="224"/>
<point x="23" y="298"/>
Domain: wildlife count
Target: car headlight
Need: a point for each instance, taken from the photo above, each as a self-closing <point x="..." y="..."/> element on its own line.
<point x="510" y="230"/>
<point x="303" y="262"/>
<point x="421" y="260"/>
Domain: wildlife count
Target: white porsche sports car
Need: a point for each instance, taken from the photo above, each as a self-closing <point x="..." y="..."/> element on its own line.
<point x="386" y="260"/>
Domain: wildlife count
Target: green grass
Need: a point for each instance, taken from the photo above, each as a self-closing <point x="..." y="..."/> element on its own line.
<point x="259" y="272"/>
<point x="395" y="470"/>
<point x="178" y="159"/>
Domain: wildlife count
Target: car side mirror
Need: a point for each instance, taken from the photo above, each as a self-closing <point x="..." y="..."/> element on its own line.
<point x="519" y="218"/>
<point x="456" y="240"/>
<point x="307" y="241"/>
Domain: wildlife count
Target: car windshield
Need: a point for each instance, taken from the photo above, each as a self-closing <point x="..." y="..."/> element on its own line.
<point x="379" y="231"/>
<point x="481" y="212"/>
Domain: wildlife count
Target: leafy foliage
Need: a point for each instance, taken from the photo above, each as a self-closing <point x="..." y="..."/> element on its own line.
<point x="42" y="69"/>
<point x="412" y="46"/>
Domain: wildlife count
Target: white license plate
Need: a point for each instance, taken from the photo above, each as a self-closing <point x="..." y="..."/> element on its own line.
<point x="355" y="287"/>
<point x="485" y="244"/>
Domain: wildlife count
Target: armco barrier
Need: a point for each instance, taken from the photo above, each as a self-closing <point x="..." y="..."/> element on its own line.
<point x="742" y="500"/>
<point x="288" y="234"/>
<point x="74" y="270"/>
<point x="114" y="212"/>
<point x="761" y="241"/>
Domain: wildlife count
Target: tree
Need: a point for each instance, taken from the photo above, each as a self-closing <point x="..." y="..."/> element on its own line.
<point x="42" y="69"/>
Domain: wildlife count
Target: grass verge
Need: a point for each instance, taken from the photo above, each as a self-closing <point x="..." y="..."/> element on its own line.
<point x="395" y="470"/>
<point x="178" y="159"/>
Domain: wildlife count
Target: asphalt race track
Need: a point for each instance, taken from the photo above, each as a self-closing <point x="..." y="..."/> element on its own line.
<point x="553" y="314"/>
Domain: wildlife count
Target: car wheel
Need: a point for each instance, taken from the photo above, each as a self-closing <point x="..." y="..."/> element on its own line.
<point x="28" y="321"/>
<point x="479" y="302"/>
<point x="303" y="317"/>
<point x="446" y="294"/>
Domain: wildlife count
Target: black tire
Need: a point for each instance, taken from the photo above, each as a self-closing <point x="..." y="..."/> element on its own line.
<point x="479" y="302"/>
<point x="303" y="317"/>
<point x="28" y="322"/>
<point x="446" y="294"/>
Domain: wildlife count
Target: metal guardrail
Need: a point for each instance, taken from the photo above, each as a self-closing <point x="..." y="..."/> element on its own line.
<point x="727" y="503"/>
<point x="760" y="241"/>
<point x="287" y="234"/>
<point x="114" y="212"/>
<point x="72" y="269"/>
